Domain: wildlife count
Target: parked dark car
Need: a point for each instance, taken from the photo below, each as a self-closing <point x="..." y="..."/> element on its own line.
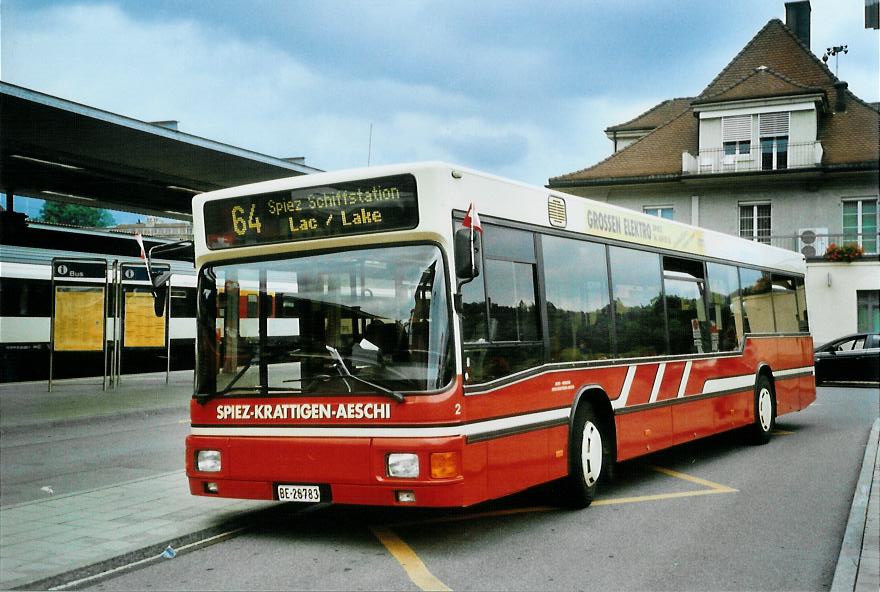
<point x="854" y="358"/>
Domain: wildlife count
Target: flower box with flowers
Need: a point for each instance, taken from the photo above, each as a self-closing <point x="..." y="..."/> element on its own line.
<point x="846" y="253"/>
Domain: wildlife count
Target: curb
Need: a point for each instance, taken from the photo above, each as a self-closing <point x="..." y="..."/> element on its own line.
<point x="119" y="564"/>
<point x="850" y="551"/>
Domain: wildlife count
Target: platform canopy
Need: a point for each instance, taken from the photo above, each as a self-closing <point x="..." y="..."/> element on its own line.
<point x="59" y="150"/>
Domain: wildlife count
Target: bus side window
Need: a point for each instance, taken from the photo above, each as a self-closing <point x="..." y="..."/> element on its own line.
<point x="578" y="306"/>
<point x="755" y="295"/>
<point x="473" y="311"/>
<point x="725" y="316"/>
<point x="639" y="321"/>
<point x="801" y="293"/>
<point x="785" y="305"/>
<point x="684" y="287"/>
<point x="500" y="319"/>
<point x="513" y="313"/>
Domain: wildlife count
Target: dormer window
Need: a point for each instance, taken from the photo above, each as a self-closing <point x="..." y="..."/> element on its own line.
<point x="773" y="130"/>
<point x="756" y="134"/>
<point x="736" y="129"/>
<point x="740" y="147"/>
<point x="736" y="139"/>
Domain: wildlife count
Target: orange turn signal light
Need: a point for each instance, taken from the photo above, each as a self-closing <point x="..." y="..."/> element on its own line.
<point x="444" y="465"/>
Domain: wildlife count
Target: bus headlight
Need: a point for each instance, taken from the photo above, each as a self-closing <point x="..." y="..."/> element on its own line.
<point x="208" y="461"/>
<point x="403" y="465"/>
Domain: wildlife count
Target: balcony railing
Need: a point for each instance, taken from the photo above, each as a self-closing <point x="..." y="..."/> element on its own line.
<point x="815" y="245"/>
<point x="797" y="156"/>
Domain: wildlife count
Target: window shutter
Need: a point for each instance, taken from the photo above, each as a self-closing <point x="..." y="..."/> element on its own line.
<point x="736" y="129"/>
<point x="773" y="124"/>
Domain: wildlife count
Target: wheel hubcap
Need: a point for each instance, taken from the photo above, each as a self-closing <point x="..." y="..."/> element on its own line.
<point x="765" y="409"/>
<point x="591" y="453"/>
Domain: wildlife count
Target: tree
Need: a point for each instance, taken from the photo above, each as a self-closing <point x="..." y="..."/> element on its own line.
<point x="55" y="212"/>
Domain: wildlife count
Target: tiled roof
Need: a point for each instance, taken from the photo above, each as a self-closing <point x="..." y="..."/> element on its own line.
<point x="762" y="82"/>
<point x="850" y="137"/>
<point x="658" y="154"/>
<point x="777" y="48"/>
<point x="655" y="116"/>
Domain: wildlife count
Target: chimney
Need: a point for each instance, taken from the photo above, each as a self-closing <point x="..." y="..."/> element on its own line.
<point x="840" y="104"/>
<point x="797" y="17"/>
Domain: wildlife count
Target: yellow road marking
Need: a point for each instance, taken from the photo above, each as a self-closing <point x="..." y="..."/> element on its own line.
<point x="782" y="433"/>
<point x="611" y="501"/>
<point x="711" y="488"/>
<point x="425" y="580"/>
<point x="710" y="484"/>
<point x="407" y="558"/>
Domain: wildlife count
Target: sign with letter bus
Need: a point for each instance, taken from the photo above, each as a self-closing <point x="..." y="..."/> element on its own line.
<point x="79" y="302"/>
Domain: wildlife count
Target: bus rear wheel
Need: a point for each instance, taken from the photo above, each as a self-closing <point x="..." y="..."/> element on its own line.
<point x="588" y="457"/>
<point x="765" y="411"/>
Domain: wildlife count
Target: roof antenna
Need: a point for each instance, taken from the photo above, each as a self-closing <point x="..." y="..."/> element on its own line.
<point x="370" y="145"/>
<point x="834" y="51"/>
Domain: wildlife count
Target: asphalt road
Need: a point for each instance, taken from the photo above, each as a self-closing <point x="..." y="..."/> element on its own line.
<point x="713" y="515"/>
<point x="88" y="455"/>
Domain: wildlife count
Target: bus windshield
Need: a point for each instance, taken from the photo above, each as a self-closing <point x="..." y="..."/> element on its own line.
<point x="371" y="321"/>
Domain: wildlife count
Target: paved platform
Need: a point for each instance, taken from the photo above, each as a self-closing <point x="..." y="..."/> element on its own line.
<point x="62" y="533"/>
<point x="24" y="405"/>
<point x="67" y="533"/>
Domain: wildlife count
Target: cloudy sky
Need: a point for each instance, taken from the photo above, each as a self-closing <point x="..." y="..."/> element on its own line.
<point x="520" y="89"/>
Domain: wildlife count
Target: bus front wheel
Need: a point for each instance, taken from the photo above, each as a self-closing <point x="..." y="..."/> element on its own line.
<point x="589" y="458"/>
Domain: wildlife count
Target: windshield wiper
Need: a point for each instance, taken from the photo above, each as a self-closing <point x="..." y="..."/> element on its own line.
<point x="205" y="397"/>
<point x="340" y="366"/>
<point x="338" y="363"/>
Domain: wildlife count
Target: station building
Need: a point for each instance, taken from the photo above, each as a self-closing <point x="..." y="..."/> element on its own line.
<point x="59" y="150"/>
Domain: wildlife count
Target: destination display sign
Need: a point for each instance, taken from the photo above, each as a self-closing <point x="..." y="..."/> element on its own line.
<point x="342" y="209"/>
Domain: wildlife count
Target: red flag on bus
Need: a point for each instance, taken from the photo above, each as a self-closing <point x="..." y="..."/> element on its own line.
<point x="472" y="219"/>
<point x="140" y="242"/>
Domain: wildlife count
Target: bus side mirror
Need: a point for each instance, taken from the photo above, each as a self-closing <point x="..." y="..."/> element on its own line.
<point x="467" y="246"/>
<point x="161" y="279"/>
<point x="160" y="283"/>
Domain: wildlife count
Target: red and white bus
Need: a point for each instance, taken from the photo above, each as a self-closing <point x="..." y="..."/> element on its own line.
<point x="357" y="345"/>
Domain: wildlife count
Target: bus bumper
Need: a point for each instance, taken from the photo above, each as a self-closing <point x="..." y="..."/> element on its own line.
<point x="346" y="470"/>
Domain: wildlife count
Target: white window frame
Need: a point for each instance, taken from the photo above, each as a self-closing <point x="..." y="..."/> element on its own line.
<point x="655" y="211"/>
<point x="868" y="299"/>
<point x="754" y="205"/>
<point x="860" y="221"/>
<point x="773" y="127"/>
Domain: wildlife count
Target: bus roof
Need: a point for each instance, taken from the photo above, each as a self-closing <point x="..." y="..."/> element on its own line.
<point x="444" y="187"/>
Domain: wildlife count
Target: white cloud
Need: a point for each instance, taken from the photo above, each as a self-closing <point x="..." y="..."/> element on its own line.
<point x="270" y="97"/>
<point x="259" y="97"/>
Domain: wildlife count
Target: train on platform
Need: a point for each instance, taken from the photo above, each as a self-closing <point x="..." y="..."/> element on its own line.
<point x="26" y="255"/>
